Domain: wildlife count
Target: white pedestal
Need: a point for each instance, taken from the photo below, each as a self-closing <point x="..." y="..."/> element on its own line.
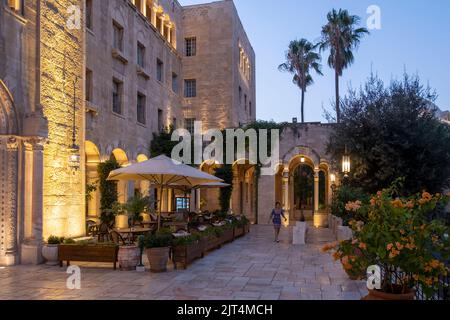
<point x="344" y="233"/>
<point x="299" y="233"/>
<point x="31" y="254"/>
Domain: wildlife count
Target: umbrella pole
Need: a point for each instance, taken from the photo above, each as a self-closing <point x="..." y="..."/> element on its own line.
<point x="160" y="206"/>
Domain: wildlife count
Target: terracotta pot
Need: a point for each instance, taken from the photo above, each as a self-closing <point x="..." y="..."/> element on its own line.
<point x="158" y="257"/>
<point x="380" y="295"/>
<point x="50" y="253"/>
<point x="128" y="257"/>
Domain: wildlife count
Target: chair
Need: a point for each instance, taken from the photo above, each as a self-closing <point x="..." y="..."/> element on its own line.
<point x="117" y="238"/>
<point x="92" y="228"/>
<point x="103" y="232"/>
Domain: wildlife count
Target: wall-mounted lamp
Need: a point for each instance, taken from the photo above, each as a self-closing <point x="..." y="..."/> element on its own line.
<point x="74" y="149"/>
<point x="346" y="164"/>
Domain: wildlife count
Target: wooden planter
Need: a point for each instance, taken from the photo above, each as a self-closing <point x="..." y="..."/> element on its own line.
<point x="187" y="254"/>
<point x="87" y="253"/>
<point x="212" y="243"/>
<point x="239" y="232"/>
<point x="227" y="236"/>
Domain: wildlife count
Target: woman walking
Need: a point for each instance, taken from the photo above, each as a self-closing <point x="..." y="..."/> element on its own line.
<point x="275" y="216"/>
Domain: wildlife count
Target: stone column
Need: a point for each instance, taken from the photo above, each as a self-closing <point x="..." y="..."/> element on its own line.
<point x="162" y="25"/>
<point x="169" y="34"/>
<point x="286" y="205"/>
<point x="316" y="190"/>
<point x="33" y="200"/>
<point x="154" y="17"/>
<point x="10" y="237"/>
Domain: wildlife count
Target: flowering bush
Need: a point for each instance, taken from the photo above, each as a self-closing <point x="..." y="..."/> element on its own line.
<point x="396" y="234"/>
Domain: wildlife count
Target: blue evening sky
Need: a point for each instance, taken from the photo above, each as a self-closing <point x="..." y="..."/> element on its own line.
<point x="415" y="36"/>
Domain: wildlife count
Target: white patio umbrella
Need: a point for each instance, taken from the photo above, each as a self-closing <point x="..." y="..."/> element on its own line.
<point x="162" y="172"/>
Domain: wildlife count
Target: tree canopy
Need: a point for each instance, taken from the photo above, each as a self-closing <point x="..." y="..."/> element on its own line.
<point x="391" y="132"/>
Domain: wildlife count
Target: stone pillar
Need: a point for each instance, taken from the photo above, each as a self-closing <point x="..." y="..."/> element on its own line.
<point x="9" y="203"/>
<point x="286" y="205"/>
<point x="316" y="190"/>
<point x="162" y="25"/>
<point x="169" y="34"/>
<point x="154" y="17"/>
<point x="266" y="198"/>
<point x="33" y="201"/>
<point x="198" y="198"/>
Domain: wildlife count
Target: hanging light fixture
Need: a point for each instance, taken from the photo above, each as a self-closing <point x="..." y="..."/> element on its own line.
<point x="302" y="159"/>
<point x="74" y="149"/>
<point x="346" y="164"/>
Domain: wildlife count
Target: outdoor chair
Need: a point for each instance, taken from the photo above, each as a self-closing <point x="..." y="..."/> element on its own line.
<point x="117" y="238"/>
<point x="92" y="228"/>
<point x="103" y="232"/>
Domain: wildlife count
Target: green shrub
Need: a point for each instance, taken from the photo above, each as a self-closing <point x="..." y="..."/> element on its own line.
<point x="185" y="241"/>
<point x="69" y="241"/>
<point x="160" y="239"/>
<point x="54" y="240"/>
<point x="345" y="194"/>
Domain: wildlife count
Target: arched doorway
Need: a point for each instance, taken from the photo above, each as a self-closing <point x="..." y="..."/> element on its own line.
<point x="303" y="177"/>
<point x="92" y="192"/>
<point x="243" y="200"/>
<point x="9" y="156"/>
<point x="124" y="189"/>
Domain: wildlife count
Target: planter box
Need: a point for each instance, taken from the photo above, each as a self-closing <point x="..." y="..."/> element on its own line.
<point x="227" y="236"/>
<point x="187" y="254"/>
<point x="128" y="257"/>
<point x="87" y="253"/>
<point x="212" y="243"/>
<point x="239" y="232"/>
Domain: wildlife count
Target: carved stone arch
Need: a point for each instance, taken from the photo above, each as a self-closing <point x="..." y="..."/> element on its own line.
<point x="302" y="150"/>
<point x="8" y="115"/>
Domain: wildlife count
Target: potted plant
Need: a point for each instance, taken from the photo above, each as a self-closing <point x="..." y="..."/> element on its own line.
<point x="128" y="257"/>
<point x="50" y="250"/>
<point x="398" y="235"/>
<point x="135" y="206"/>
<point x="157" y="249"/>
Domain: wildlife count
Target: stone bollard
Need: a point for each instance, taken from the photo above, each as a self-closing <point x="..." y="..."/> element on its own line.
<point x="299" y="233"/>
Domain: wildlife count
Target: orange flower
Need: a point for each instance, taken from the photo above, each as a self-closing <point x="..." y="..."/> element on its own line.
<point x="399" y="246"/>
<point x="379" y="193"/>
<point x="397" y="203"/>
<point x="373" y="202"/>
<point x="363" y="246"/>
<point x="402" y="232"/>
<point x="427" y="196"/>
<point x="410" y="204"/>
<point x="435" y="264"/>
<point x="429" y="281"/>
<point x="389" y="246"/>
<point x="448" y="194"/>
<point x="336" y="256"/>
<point x="329" y="246"/>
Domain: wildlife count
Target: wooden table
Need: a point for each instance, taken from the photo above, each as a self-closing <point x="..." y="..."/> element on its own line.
<point x="133" y="232"/>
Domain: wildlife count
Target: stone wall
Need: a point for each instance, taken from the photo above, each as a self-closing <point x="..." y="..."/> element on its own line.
<point x="219" y="31"/>
<point x="62" y="63"/>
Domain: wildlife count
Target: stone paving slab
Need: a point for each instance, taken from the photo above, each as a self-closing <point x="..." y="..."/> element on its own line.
<point x="253" y="267"/>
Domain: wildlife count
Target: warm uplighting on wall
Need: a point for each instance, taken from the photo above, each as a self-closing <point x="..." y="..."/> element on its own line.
<point x="333" y="178"/>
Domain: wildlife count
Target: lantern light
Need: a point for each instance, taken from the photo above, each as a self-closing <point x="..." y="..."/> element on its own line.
<point x="346" y="164"/>
<point x="302" y="159"/>
<point x="74" y="149"/>
<point x="333" y="178"/>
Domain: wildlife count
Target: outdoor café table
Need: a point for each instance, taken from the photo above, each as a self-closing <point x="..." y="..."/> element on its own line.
<point x="133" y="232"/>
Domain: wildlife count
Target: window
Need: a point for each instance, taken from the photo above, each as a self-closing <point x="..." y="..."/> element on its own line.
<point x="117" y="96"/>
<point x="160" y="121"/>
<point x="190" y="88"/>
<point x="141" y="55"/>
<point x="240" y="95"/>
<point x="89" y="14"/>
<point x="174" y="123"/>
<point x="118" y="36"/>
<point x="189" y="125"/>
<point x="245" y="102"/>
<point x="159" y="70"/>
<point x="88" y="90"/>
<point x="191" y="47"/>
<point x="140" y="111"/>
<point x="250" y="108"/>
<point x="174" y="82"/>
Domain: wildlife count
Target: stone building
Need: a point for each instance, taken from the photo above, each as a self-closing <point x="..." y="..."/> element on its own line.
<point x="82" y="81"/>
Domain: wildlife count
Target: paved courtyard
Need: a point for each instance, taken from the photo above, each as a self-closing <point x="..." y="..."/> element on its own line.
<point x="253" y="267"/>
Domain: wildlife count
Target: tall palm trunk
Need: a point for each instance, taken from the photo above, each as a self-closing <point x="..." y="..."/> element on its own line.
<point x="338" y="105"/>
<point x="303" y="106"/>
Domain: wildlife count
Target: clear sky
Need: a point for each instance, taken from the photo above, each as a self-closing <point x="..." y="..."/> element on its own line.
<point x="414" y="36"/>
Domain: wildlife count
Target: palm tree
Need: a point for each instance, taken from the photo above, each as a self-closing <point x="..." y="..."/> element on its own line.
<point x="301" y="58"/>
<point x="341" y="36"/>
